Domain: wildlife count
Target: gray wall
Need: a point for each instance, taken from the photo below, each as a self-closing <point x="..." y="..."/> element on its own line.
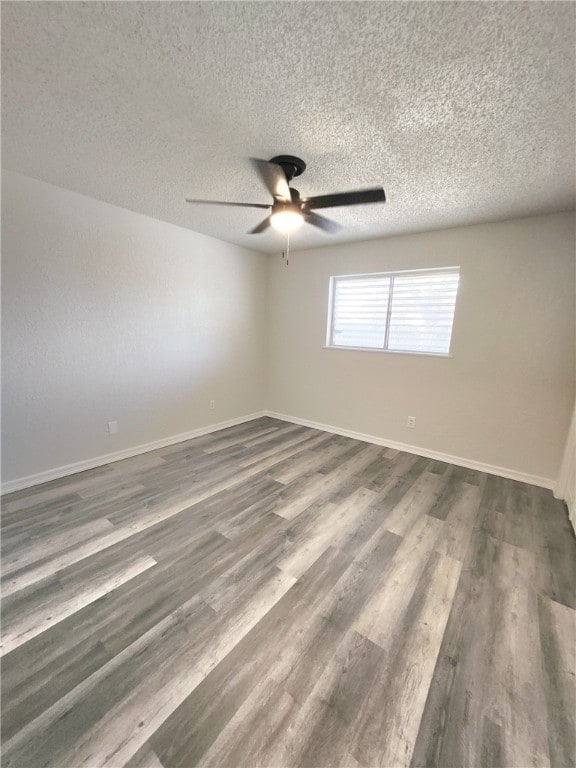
<point x="505" y="397"/>
<point x="110" y="315"/>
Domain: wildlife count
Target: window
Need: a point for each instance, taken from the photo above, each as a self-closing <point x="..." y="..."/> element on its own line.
<point x="396" y="311"/>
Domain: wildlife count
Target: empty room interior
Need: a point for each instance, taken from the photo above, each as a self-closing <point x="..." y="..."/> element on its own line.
<point x="288" y="384"/>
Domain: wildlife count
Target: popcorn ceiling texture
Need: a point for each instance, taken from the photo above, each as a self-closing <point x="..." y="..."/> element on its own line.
<point x="463" y="111"/>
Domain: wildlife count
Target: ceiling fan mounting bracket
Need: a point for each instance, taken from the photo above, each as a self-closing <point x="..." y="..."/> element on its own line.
<point x="292" y="166"/>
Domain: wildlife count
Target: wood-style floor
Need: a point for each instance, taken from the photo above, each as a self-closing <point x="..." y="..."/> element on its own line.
<point x="271" y="595"/>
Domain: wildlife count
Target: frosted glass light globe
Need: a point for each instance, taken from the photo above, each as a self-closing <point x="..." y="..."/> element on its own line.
<point x="286" y="220"/>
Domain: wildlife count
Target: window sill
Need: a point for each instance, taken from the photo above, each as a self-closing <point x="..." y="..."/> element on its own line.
<point x="387" y="351"/>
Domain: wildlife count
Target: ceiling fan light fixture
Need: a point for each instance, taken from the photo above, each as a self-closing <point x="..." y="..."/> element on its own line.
<point x="286" y="219"/>
<point x="288" y="211"/>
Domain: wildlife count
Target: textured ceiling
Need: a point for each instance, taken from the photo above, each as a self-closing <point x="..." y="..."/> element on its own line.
<point x="463" y="111"/>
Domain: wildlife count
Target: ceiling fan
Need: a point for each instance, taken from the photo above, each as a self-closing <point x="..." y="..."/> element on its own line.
<point x="289" y="211"/>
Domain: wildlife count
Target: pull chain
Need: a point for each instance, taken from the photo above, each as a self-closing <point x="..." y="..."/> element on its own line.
<point x="286" y="251"/>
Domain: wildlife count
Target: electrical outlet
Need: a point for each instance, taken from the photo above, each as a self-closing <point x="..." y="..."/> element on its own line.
<point x="212" y="404"/>
<point x="411" y="422"/>
<point x="112" y="427"/>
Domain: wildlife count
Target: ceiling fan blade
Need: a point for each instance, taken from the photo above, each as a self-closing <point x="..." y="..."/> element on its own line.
<point x="361" y="196"/>
<point x="321" y="222"/>
<point x="260" y="227"/>
<point x="221" y="202"/>
<point x="274" y="178"/>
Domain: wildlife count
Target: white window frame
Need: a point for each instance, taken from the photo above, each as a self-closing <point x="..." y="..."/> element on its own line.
<point x="391" y="275"/>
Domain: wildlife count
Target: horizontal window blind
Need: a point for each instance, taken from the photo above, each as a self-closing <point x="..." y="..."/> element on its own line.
<point x="360" y="311"/>
<point x="401" y="311"/>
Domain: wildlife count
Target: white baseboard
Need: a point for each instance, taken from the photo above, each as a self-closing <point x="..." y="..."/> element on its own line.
<point x="491" y="469"/>
<point x="80" y="466"/>
<point x="98" y="461"/>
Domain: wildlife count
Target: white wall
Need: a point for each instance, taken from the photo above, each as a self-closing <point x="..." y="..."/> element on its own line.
<point x="110" y="315"/>
<point x="507" y="394"/>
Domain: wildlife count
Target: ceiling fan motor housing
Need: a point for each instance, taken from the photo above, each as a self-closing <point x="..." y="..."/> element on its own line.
<point x="281" y="205"/>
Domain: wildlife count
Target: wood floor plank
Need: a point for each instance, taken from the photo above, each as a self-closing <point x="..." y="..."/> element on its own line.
<point x="557" y="625"/>
<point x="240" y="440"/>
<point x="331" y="529"/>
<point x="357" y="585"/>
<point x="62" y="728"/>
<point x="147" y="520"/>
<point x="382" y="614"/>
<point x="299" y="662"/>
<point x="319" y="485"/>
<point x="369" y="699"/>
<point x="118" y="735"/>
<point x="461" y="515"/>
<point x="451" y="726"/>
<point x="39" y="494"/>
<point x="145" y="758"/>
<point x="417" y="500"/>
<point x="310" y="460"/>
<point x="275" y="436"/>
<point x="20" y="626"/>
<point x="26" y="695"/>
<point x="320" y="733"/>
<point x="274" y="596"/>
<point x="45" y="664"/>
<point x="305" y="441"/>
<point x="554" y="540"/>
<point x="489" y="664"/>
<point x="189" y="733"/>
<point x="448" y="489"/>
<point x="515" y="663"/>
<point x="51" y="545"/>
<point x="117" y="619"/>
<point x="237" y="742"/>
<point x="388" y="723"/>
<point x="24" y="516"/>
